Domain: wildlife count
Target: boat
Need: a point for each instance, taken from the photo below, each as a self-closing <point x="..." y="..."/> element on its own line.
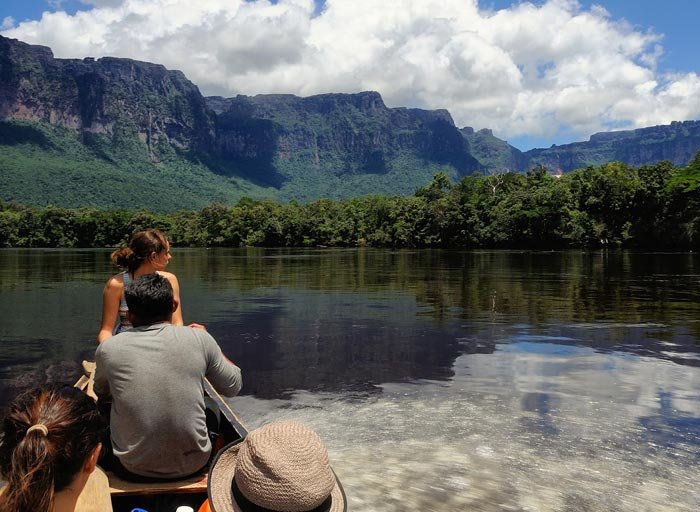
<point x="166" y="496"/>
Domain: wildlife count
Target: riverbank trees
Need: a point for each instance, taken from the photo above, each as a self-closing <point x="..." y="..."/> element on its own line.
<point x="614" y="204"/>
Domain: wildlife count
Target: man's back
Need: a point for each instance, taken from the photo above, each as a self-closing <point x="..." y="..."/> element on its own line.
<point x="154" y="374"/>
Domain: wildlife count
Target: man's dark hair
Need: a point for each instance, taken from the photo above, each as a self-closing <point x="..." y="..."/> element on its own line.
<point x="150" y="299"/>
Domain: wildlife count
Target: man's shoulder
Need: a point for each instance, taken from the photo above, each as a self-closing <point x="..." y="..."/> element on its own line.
<point x="117" y="342"/>
<point x="191" y="332"/>
<point x="106" y="345"/>
<point x="193" y="338"/>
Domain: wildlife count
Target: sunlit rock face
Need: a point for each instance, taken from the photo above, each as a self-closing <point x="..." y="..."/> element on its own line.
<point x="117" y="97"/>
<point x="343" y="133"/>
<point x="677" y="142"/>
<point x="123" y="98"/>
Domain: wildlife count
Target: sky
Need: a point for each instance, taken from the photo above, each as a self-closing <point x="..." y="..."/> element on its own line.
<point x="536" y="73"/>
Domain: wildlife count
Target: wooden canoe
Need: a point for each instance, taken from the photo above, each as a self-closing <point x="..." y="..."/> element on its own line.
<point x="157" y="496"/>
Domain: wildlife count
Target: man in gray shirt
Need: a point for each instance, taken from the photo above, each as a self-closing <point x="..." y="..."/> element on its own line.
<point x="154" y="375"/>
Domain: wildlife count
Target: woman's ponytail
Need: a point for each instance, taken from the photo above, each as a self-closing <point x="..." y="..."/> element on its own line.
<point x="48" y="435"/>
<point x="30" y="478"/>
<point x="142" y="245"/>
<point x="123" y="258"/>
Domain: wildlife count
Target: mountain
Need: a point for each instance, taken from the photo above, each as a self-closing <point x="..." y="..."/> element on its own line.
<point x="107" y="96"/>
<point x="115" y="132"/>
<point x="493" y="153"/>
<point x="107" y="133"/>
<point x="677" y="142"/>
<point x="338" y="145"/>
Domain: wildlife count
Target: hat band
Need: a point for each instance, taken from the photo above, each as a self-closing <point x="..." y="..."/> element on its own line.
<point x="248" y="506"/>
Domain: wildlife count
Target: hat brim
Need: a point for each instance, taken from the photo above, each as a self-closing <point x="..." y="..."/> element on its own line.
<point x="222" y="471"/>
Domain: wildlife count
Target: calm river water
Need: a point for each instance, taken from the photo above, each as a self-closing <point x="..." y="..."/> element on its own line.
<point x="440" y="381"/>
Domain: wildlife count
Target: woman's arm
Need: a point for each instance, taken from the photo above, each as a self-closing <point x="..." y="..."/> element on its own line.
<point x="111" y="297"/>
<point x="177" y="314"/>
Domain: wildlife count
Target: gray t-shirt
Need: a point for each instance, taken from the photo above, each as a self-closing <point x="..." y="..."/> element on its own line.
<point x="154" y="375"/>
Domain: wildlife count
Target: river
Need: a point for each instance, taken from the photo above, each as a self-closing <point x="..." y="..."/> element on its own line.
<point x="439" y="380"/>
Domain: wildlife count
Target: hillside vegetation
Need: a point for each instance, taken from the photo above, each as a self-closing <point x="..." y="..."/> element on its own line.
<point x="42" y="164"/>
<point x="610" y="205"/>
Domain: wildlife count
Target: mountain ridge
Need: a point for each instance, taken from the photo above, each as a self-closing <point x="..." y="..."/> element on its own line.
<point x="138" y="127"/>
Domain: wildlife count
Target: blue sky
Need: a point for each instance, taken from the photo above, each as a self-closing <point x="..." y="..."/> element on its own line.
<point x="32" y="9"/>
<point x="416" y="54"/>
<point x="22" y="10"/>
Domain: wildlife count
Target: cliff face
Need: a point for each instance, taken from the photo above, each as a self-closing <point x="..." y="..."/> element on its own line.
<point x="342" y="133"/>
<point x="32" y="86"/>
<point x="125" y="110"/>
<point x="128" y="123"/>
<point x="677" y="142"/>
<point x="494" y="154"/>
<point x="96" y="96"/>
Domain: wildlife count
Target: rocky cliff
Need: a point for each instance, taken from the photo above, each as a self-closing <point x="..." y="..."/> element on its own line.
<point x="127" y="112"/>
<point x="102" y="96"/>
<point x="677" y="142"/>
<point x="494" y="154"/>
<point x="339" y="133"/>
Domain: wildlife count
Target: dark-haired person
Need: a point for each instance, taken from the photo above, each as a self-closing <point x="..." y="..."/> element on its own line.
<point x="154" y="374"/>
<point x="148" y="253"/>
<point x="48" y="452"/>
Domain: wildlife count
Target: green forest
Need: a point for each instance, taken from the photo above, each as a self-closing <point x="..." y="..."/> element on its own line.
<point x="653" y="206"/>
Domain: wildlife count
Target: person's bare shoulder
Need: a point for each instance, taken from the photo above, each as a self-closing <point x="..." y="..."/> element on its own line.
<point x="115" y="283"/>
<point x="168" y="275"/>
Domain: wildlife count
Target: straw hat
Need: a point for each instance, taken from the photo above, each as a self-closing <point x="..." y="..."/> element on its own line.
<point x="281" y="467"/>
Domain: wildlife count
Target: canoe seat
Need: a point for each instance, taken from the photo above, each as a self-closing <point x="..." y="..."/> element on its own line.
<point x="121" y="487"/>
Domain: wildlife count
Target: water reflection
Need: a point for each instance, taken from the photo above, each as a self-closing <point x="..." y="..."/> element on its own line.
<point x="504" y="434"/>
<point x="540" y="404"/>
<point x="341" y="319"/>
<point x="440" y="380"/>
<point x="671" y="428"/>
<point x="316" y="345"/>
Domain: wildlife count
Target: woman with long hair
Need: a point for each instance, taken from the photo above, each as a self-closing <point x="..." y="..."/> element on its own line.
<point x="49" y="447"/>
<point x="148" y="252"/>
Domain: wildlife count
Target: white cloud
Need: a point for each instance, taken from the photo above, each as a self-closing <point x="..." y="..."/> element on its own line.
<point x="55" y="4"/>
<point x="527" y="70"/>
<point x="7" y="23"/>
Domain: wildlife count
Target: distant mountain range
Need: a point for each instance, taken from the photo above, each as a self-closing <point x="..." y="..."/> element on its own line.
<point x="677" y="142"/>
<point x="118" y="132"/>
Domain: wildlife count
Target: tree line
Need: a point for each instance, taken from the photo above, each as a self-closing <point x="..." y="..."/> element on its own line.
<point x="653" y="206"/>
